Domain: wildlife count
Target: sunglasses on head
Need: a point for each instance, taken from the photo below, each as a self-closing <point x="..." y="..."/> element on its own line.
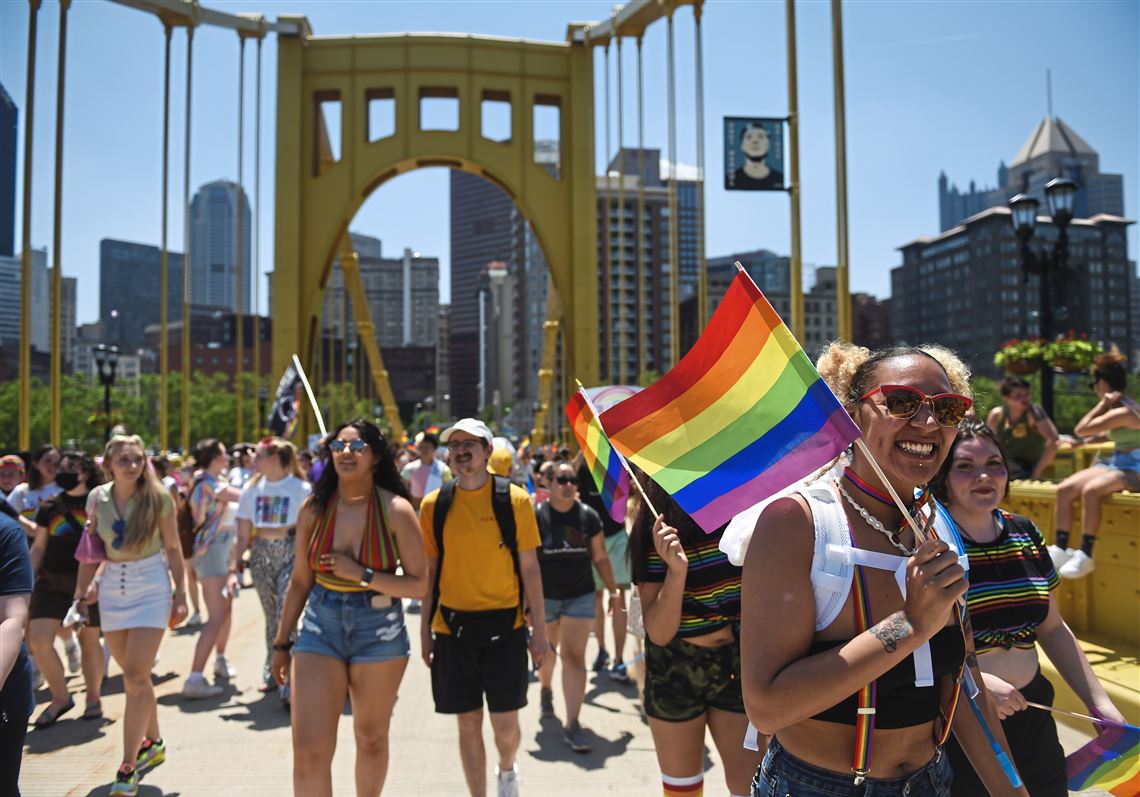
<point x="355" y="446"/>
<point x="904" y="403"/>
<point x="566" y="480"/>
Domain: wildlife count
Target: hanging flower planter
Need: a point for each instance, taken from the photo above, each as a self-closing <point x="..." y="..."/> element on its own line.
<point x="1020" y="357"/>
<point x="1072" y="354"/>
<point x="1022" y="367"/>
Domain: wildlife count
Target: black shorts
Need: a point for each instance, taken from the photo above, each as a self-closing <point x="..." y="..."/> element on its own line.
<point x="53" y="595"/>
<point x="461" y="673"/>
<point x="683" y="680"/>
<point x="1032" y="737"/>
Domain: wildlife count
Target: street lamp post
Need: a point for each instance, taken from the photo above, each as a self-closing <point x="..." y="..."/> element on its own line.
<point x="1060" y="193"/>
<point x="107" y="360"/>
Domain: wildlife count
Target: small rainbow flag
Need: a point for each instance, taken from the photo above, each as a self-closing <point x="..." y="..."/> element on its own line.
<point x="603" y="461"/>
<point x="1110" y="762"/>
<point x="740" y="417"/>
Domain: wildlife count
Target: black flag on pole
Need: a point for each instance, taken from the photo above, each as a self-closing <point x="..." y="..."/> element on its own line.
<point x="283" y="417"/>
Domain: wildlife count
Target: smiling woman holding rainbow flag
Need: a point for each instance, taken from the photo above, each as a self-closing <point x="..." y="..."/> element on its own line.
<point x="844" y="643"/>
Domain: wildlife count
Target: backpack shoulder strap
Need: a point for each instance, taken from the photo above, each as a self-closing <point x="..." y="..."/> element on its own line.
<point x="505" y="517"/>
<point x="439" y="515"/>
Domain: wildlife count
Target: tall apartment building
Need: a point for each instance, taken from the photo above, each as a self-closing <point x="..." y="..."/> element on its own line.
<point x="69" y="287"/>
<point x="130" y="290"/>
<point x="482" y="230"/>
<point x="634" y="308"/>
<point x="213" y="247"/>
<point x="9" y="116"/>
<point x="402" y="295"/>
<point x="1052" y="150"/>
<point x="40" y="312"/>
<point x="964" y="288"/>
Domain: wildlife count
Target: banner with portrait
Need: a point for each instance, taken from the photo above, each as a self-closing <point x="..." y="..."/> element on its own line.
<point x="753" y="154"/>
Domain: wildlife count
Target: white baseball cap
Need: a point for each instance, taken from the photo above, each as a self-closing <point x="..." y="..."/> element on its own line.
<point x="472" y="426"/>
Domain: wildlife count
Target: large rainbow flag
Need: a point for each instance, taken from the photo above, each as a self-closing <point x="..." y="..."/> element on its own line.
<point x="1111" y="762"/>
<point x="740" y="417"/>
<point x="603" y="461"/>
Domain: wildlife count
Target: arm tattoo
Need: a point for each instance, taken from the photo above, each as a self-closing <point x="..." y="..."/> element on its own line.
<point x="891" y="630"/>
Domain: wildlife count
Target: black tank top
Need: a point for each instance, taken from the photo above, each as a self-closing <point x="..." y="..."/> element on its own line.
<point x="898" y="702"/>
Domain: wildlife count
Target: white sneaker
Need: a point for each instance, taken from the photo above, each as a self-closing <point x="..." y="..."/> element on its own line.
<point x="223" y="669"/>
<point x="1059" y="555"/>
<point x="508" y="782"/>
<point x="195" y="688"/>
<point x="74" y="661"/>
<point x="1080" y="564"/>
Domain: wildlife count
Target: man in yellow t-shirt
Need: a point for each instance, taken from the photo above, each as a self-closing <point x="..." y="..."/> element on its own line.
<point x="478" y="576"/>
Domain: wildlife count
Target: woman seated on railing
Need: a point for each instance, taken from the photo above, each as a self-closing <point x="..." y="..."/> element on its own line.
<point x="1117" y="416"/>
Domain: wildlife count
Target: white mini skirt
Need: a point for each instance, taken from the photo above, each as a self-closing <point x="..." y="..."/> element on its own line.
<point x="135" y="594"/>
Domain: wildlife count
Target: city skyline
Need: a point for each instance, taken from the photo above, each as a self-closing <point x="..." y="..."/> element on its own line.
<point x="951" y="109"/>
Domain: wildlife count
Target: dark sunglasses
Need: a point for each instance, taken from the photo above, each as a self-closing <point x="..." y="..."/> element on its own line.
<point x="904" y="403"/>
<point x="566" y="480"/>
<point x="355" y="446"/>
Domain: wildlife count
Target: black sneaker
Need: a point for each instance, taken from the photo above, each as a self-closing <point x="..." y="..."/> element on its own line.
<point x="546" y="701"/>
<point x="601" y="661"/>
<point x="576" y="738"/>
<point x="619" y="672"/>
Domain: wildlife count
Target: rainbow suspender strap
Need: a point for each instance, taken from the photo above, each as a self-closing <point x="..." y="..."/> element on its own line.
<point x="865" y="718"/>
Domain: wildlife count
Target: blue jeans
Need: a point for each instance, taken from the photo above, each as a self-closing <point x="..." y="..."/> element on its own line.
<point x="782" y="774"/>
<point x="344" y="626"/>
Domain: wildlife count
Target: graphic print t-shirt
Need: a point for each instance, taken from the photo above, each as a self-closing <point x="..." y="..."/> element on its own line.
<point x="565" y="553"/>
<point x="63" y="536"/>
<point x="27" y="501"/>
<point x="268" y="504"/>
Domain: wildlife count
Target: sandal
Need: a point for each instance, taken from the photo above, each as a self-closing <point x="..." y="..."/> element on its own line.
<point x="52" y="713"/>
<point x="94" y="711"/>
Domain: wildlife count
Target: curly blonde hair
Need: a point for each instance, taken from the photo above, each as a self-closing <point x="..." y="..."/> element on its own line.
<point x="848" y="369"/>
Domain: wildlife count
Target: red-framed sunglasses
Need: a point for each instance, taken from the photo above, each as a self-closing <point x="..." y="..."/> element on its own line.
<point x="904" y="402"/>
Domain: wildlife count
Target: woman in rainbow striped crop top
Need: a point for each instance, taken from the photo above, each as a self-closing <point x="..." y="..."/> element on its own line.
<point x="353" y="531"/>
<point x="1012" y="607"/>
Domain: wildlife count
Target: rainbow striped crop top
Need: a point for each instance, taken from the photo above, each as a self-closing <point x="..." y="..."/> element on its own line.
<point x="378" y="548"/>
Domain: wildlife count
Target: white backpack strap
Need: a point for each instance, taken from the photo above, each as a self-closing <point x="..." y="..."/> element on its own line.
<point x="752" y="738"/>
<point x="830" y="574"/>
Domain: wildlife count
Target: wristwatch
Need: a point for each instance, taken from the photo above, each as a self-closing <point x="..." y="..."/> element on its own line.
<point x="284" y="647"/>
<point x="366" y="577"/>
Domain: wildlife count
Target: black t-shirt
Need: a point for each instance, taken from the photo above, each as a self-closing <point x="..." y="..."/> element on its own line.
<point x="63" y="536"/>
<point x="565" y="557"/>
<point x="588" y="494"/>
<point x="16" y="696"/>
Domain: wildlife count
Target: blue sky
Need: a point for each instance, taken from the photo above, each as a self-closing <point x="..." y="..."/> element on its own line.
<point x="954" y="86"/>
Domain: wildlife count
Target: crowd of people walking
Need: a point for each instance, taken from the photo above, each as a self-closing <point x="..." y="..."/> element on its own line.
<point x="824" y="648"/>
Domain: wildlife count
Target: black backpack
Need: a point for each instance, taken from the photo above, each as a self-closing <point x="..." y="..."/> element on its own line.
<point x="478" y="627"/>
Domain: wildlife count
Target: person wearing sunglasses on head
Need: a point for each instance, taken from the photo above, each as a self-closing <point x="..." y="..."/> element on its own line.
<point x="852" y="650"/>
<point x="353" y="532"/>
<point x="1117" y="416"/>
<point x="1012" y="610"/>
<point x="132" y="516"/>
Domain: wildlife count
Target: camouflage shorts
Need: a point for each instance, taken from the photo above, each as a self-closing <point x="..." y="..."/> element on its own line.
<point x="683" y="680"/>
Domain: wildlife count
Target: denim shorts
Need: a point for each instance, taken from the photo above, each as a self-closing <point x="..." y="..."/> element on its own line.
<point x="343" y="625"/>
<point x="781" y="774"/>
<point x="1128" y="464"/>
<point x="579" y="608"/>
<point x="214" y="560"/>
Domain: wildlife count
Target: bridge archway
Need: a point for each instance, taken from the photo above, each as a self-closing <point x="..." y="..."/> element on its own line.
<point x="318" y="195"/>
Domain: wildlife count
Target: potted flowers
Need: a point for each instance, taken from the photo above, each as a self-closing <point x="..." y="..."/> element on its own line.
<point x="1020" y="356"/>
<point x="1072" y="353"/>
